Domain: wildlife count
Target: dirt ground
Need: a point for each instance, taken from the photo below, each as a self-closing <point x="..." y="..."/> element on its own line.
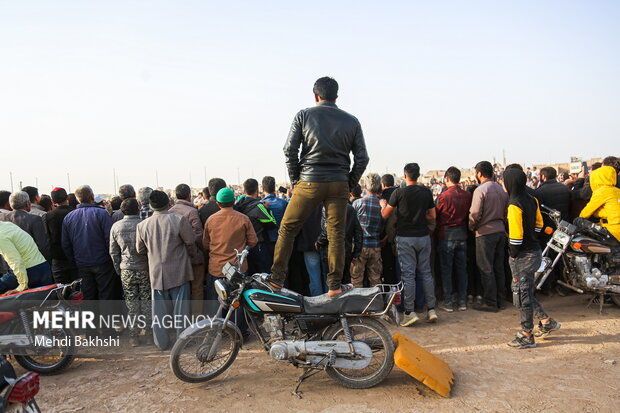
<point x="569" y="372"/>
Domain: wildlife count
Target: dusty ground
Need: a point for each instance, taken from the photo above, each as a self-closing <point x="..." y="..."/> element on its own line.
<point x="566" y="373"/>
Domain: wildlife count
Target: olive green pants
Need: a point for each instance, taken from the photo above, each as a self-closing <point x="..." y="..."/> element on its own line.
<point x="306" y="197"/>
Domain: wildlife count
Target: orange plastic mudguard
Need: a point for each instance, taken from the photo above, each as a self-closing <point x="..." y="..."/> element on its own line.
<point x="423" y="366"/>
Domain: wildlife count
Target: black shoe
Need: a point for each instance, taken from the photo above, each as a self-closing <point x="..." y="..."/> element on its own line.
<point x="545" y="329"/>
<point x="522" y="341"/>
<point x="486" y="307"/>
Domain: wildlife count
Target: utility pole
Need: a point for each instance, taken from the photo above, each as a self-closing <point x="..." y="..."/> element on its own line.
<point x="204" y="170"/>
<point x="504" y="156"/>
<point x="11" y="175"/>
<point x="114" y="173"/>
<point x="156" y="179"/>
<point x="68" y="183"/>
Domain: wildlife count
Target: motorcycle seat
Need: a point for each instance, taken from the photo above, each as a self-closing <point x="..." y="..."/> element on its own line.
<point x="354" y="301"/>
<point x="25" y="299"/>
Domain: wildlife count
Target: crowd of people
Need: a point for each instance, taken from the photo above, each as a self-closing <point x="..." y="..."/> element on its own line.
<point x="162" y="254"/>
<point x="473" y="245"/>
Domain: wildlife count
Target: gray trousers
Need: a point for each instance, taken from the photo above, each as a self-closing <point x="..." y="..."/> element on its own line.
<point x="414" y="256"/>
<point x="169" y="306"/>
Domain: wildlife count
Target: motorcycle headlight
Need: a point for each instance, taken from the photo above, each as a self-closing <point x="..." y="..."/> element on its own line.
<point x="561" y="237"/>
<point x="223" y="288"/>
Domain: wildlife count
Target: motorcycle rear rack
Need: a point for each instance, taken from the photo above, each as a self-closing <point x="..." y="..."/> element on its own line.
<point x="386" y="290"/>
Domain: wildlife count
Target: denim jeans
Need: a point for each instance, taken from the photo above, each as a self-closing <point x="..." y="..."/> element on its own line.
<point x="38" y="276"/>
<point x="313" y="266"/>
<point x="453" y="259"/>
<point x="414" y="256"/>
<point x="523" y="269"/>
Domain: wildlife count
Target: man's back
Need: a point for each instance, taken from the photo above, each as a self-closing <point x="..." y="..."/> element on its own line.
<point x="123" y="237"/>
<point x="413" y="203"/>
<point x="326" y="135"/>
<point x="226" y="231"/>
<point x="452" y="210"/>
<point x="368" y="212"/>
<point x="169" y="240"/>
<point x="33" y="225"/>
<point x="53" y="226"/>
<point x="554" y="195"/>
<point x="86" y="235"/>
<point x="488" y="209"/>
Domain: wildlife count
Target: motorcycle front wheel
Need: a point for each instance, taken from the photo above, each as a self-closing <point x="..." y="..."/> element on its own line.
<point x="378" y="338"/>
<point x="53" y="360"/>
<point x="192" y="359"/>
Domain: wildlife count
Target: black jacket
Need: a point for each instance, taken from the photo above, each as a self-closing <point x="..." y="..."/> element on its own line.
<point x="326" y="135"/>
<point x="554" y="195"/>
<point x="310" y="231"/>
<point x="261" y="217"/>
<point x="353" y="233"/>
<point x="33" y="225"/>
<point x="207" y="210"/>
<point x="52" y="221"/>
<point x="524" y="218"/>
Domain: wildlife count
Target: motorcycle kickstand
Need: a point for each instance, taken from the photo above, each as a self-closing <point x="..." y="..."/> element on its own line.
<point x="309" y="372"/>
<point x="601" y="301"/>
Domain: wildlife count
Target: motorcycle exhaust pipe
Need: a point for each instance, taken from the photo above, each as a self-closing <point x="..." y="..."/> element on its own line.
<point x="563" y="284"/>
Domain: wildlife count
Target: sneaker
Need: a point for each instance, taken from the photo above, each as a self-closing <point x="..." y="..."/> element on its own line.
<point x="522" y="341"/>
<point x="447" y="307"/>
<point x="545" y="329"/>
<point x="479" y="299"/>
<point x="409" y="319"/>
<point x="432" y="316"/>
<point x="486" y="307"/>
<point x="462" y="307"/>
<point x="470" y="299"/>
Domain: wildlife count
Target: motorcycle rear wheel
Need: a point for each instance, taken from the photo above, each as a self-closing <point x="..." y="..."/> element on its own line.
<point x="187" y="353"/>
<point x="373" y="333"/>
<point x="49" y="364"/>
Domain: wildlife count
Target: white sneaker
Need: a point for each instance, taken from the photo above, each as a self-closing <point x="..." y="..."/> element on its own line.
<point x="409" y="319"/>
<point x="432" y="316"/>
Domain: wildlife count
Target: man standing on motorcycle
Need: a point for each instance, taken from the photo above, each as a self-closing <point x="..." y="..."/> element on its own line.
<point x="524" y="223"/>
<point x="605" y="201"/>
<point x="321" y="173"/>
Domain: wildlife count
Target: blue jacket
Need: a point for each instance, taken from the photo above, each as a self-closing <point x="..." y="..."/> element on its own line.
<point x="277" y="207"/>
<point x="86" y="235"/>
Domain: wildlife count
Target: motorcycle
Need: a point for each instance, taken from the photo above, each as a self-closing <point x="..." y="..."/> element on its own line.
<point x="342" y="336"/>
<point x="17" y="394"/>
<point x="42" y="350"/>
<point x="591" y="263"/>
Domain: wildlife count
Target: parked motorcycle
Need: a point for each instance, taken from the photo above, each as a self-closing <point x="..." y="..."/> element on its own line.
<point x="343" y="336"/>
<point x="35" y="348"/>
<point x="591" y="262"/>
<point x="17" y="394"/>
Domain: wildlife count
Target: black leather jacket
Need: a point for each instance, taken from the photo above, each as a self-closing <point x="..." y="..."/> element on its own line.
<point x="326" y="135"/>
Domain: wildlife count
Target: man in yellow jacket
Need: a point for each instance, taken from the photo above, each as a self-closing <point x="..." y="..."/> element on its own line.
<point x="30" y="269"/>
<point x="605" y="201"/>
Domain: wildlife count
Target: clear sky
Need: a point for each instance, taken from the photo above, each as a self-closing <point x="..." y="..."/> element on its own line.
<point x="183" y="86"/>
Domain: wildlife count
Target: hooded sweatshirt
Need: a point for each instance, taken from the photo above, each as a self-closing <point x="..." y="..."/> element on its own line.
<point x="261" y="217"/>
<point x="524" y="217"/>
<point x="605" y="201"/>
